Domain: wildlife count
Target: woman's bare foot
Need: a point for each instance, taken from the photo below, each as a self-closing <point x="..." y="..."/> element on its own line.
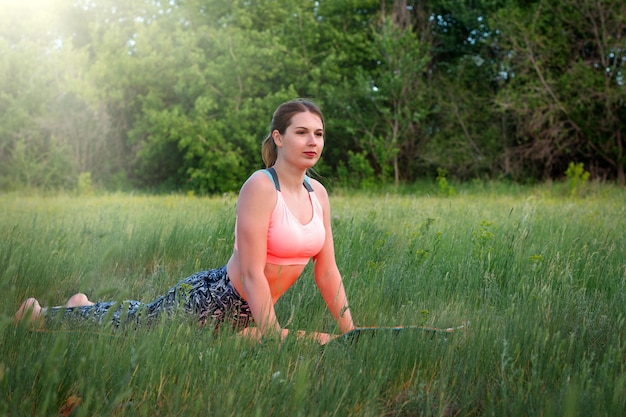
<point x="78" y="300"/>
<point x="30" y="310"/>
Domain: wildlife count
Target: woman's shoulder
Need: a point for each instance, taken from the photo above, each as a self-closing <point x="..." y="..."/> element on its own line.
<point x="261" y="179"/>
<point x="256" y="190"/>
<point x="317" y="186"/>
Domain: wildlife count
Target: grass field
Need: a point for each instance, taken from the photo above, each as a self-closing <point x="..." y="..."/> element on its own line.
<point x="540" y="276"/>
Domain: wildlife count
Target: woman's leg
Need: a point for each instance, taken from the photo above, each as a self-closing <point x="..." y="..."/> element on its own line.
<point x="32" y="310"/>
<point x="207" y="295"/>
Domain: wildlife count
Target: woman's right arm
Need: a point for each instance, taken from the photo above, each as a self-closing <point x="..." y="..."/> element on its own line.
<point x="256" y="202"/>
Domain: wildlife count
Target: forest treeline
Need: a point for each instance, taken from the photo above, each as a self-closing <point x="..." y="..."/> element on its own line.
<point x="178" y="95"/>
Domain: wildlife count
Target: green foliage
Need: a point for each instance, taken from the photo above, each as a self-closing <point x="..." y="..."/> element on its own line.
<point x="577" y="178"/>
<point x="442" y="183"/>
<point x="358" y="173"/>
<point x="562" y="88"/>
<point x="177" y="96"/>
<point x="84" y="187"/>
<point x="483" y="238"/>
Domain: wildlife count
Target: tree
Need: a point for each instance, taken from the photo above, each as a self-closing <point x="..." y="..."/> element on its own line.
<point x="32" y="153"/>
<point x="178" y="95"/>
<point x="467" y="138"/>
<point x="397" y="92"/>
<point x="596" y="82"/>
<point x="565" y="94"/>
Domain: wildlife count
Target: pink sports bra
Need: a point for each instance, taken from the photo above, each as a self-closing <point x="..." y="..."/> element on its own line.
<point x="290" y="242"/>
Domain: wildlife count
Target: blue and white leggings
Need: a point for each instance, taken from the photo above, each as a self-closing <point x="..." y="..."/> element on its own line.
<point x="207" y="295"/>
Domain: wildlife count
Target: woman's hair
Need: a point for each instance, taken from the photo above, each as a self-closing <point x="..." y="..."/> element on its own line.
<point x="281" y="120"/>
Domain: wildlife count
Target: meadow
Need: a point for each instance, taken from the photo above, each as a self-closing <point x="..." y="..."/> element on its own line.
<point x="539" y="274"/>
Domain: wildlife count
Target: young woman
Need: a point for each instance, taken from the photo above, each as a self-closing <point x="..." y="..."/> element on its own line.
<point x="283" y="221"/>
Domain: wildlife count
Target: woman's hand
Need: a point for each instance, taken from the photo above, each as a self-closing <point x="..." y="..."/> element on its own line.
<point x="254" y="333"/>
<point x="251" y="333"/>
<point x="323" y="338"/>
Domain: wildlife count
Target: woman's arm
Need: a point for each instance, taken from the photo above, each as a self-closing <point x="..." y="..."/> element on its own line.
<point x="327" y="276"/>
<point x="257" y="199"/>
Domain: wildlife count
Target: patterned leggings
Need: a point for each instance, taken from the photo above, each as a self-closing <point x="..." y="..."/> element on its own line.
<point x="206" y="295"/>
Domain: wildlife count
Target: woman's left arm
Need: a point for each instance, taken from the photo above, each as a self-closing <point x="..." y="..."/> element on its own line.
<point x="327" y="276"/>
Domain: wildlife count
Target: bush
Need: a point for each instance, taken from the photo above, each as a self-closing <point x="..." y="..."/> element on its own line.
<point x="577" y="178"/>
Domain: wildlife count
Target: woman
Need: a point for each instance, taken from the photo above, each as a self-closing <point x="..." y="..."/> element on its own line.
<point x="283" y="220"/>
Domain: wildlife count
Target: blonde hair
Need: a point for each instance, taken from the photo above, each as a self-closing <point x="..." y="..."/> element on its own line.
<point x="281" y="120"/>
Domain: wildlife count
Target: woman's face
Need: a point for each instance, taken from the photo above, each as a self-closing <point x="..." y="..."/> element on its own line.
<point x="303" y="141"/>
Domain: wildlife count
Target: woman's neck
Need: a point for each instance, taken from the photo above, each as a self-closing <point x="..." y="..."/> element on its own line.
<point x="289" y="177"/>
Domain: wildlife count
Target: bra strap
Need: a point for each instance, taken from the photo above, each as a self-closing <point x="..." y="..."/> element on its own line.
<point x="272" y="172"/>
<point x="307" y="184"/>
<point x="274" y="175"/>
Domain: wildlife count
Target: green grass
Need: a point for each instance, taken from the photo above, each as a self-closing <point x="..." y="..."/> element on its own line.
<point x="540" y="276"/>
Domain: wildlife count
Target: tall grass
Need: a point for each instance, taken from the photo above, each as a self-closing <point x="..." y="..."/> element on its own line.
<point x="540" y="277"/>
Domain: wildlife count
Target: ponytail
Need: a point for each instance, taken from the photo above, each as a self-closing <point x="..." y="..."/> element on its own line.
<point x="269" y="151"/>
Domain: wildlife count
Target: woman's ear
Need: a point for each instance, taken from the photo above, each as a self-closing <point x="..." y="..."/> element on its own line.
<point x="278" y="140"/>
